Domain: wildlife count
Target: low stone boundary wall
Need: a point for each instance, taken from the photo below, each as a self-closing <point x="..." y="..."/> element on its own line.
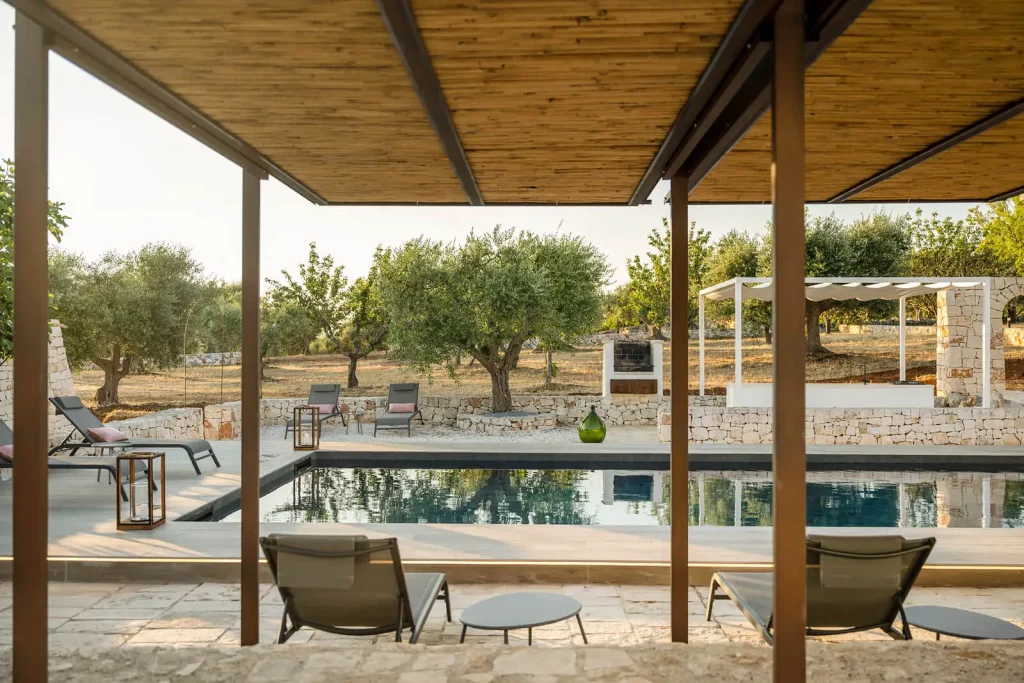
<point x="892" y="330"/>
<point x="936" y="427"/>
<point x="501" y="424"/>
<point x="180" y="423"/>
<point x="202" y="359"/>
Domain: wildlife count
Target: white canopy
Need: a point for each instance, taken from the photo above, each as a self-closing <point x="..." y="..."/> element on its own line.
<point x="839" y="288"/>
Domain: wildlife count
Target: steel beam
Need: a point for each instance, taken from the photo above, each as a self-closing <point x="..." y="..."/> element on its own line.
<point x="1003" y="115"/>
<point x="825" y="21"/>
<point x="250" y="491"/>
<point x="679" y="458"/>
<point x="1016" y="192"/>
<point x="405" y="34"/>
<point x="789" y="457"/>
<point x="710" y="88"/>
<point x="31" y="341"/>
<point x="93" y="56"/>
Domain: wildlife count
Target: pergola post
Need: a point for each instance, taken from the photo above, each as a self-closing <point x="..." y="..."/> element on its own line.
<point x="903" y="339"/>
<point x="737" y="503"/>
<point x="679" y="462"/>
<point x="738" y="351"/>
<point x="789" y="458"/>
<point x="31" y="340"/>
<point x="250" y="408"/>
<point x="700" y="334"/>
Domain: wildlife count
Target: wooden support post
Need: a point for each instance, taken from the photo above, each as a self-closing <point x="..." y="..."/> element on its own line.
<point x="789" y="457"/>
<point x="250" y="407"/>
<point x="31" y="341"/>
<point x="680" y="456"/>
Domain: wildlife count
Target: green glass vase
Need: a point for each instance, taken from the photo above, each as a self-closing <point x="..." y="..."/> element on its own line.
<point x="592" y="429"/>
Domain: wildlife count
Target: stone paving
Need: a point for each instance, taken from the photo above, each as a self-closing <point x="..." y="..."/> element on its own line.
<point x="104" y="616"/>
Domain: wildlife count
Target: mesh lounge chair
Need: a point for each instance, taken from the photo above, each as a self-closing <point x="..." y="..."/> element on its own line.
<point x="322" y="395"/>
<point x="82" y="419"/>
<point x="854" y="583"/>
<point x="402" y="406"/>
<point x="7" y="438"/>
<point x="350" y="585"/>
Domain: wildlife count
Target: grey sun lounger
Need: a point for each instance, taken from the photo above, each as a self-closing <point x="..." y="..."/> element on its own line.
<point x="82" y="419"/>
<point x="322" y="395"/>
<point x="854" y="583"/>
<point x="399" y="394"/>
<point x="7" y="438"/>
<point x="350" y="585"/>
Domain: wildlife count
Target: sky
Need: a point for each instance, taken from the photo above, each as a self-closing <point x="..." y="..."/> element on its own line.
<point x="126" y="178"/>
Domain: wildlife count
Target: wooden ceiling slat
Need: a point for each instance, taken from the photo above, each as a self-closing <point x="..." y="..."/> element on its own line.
<point x="905" y="75"/>
<point x="316" y="86"/>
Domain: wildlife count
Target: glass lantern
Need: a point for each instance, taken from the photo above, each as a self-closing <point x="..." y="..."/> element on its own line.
<point x="143" y="476"/>
<point x="306" y="428"/>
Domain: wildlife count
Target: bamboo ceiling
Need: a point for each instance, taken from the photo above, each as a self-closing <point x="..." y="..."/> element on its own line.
<point x="905" y="75"/>
<point x="567" y="101"/>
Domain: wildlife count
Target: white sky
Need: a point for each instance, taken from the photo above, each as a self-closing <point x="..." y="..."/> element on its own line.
<point x="128" y="178"/>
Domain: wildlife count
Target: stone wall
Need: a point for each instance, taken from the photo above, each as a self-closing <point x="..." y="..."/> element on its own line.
<point x="960" y="323"/>
<point x="61" y="384"/>
<point x="883" y="330"/>
<point x="938" y="426"/>
<point x="202" y="359"/>
<point x="180" y="423"/>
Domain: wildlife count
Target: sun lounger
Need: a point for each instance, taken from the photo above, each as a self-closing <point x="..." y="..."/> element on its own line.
<point x="82" y="419"/>
<point x="402" y="406"/>
<point x="854" y="583"/>
<point x="7" y="439"/>
<point x="325" y="396"/>
<point x="350" y="585"/>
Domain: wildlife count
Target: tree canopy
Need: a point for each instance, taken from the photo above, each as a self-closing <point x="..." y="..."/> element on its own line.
<point x="126" y="309"/>
<point x="486" y="297"/>
<point x="56" y="223"/>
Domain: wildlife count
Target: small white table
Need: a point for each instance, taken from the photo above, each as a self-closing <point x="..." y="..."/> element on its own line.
<point x="521" y="610"/>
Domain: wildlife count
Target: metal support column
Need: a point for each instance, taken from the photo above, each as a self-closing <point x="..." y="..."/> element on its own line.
<point x="903" y="339"/>
<point x="738" y="359"/>
<point x="789" y="457"/>
<point x="737" y="503"/>
<point x="250" y="407"/>
<point x="31" y="340"/>
<point x="700" y="334"/>
<point x="680" y="456"/>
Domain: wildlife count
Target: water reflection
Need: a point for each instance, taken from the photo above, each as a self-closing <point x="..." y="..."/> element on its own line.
<point x="608" y="497"/>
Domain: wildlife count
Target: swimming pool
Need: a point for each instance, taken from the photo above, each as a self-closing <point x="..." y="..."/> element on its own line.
<point x="635" y="497"/>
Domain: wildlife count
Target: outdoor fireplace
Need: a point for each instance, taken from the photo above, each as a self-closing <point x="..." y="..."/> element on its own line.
<point x="633" y="367"/>
<point x="633" y="357"/>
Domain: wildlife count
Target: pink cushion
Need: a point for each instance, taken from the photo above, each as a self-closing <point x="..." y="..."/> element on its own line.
<point x="325" y="408"/>
<point x="7" y="452"/>
<point x="106" y="434"/>
<point x="401" y="407"/>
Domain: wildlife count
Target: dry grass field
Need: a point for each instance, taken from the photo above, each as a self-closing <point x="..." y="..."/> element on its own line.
<point x="579" y="372"/>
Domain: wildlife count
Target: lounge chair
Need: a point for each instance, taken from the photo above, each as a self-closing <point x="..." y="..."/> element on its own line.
<point x="350" y="585"/>
<point x="7" y="439"/>
<point x="325" y="397"/>
<point x="82" y="419"/>
<point x="402" y="406"/>
<point x="854" y="583"/>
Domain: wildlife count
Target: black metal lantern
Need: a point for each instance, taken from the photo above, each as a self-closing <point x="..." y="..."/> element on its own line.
<point x="143" y="475"/>
<point x="306" y="428"/>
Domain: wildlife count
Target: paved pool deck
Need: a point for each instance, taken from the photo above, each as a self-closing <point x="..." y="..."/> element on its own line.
<point x="82" y="521"/>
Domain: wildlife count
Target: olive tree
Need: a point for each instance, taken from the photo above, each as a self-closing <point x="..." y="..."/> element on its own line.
<point x="486" y="297"/>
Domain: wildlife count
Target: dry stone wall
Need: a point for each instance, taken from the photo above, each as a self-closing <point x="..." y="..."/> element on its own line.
<point x="61" y="384"/>
<point x="918" y="427"/>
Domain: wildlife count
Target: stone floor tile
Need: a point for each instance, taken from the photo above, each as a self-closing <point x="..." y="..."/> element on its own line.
<point x="194" y="606"/>
<point x="214" y="591"/>
<point x="99" y="612"/>
<point x="602" y="613"/>
<point x="120" y="626"/>
<point x="81" y="601"/>
<point x="87" y="641"/>
<point x="535" y="662"/>
<point x="160" y="636"/>
<point x="645" y="593"/>
<point x="183" y="619"/>
<point x="137" y="601"/>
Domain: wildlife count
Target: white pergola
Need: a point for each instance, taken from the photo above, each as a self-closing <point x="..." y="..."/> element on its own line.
<point x="743" y="289"/>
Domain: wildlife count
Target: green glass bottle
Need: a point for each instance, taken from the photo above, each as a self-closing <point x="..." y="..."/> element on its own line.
<point x="592" y="429"/>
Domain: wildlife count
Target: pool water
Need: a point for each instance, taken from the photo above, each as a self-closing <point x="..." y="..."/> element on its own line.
<point x="618" y="497"/>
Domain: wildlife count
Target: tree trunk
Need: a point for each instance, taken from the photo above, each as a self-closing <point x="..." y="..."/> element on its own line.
<point x="656" y="332"/>
<point x="767" y="334"/>
<point x="813" y="311"/>
<point x="353" y="381"/>
<point x="114" y="369"/>
<point x="547" y="366"/>
<point x="501" y="394"/>
<point x="514" y="361"/>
